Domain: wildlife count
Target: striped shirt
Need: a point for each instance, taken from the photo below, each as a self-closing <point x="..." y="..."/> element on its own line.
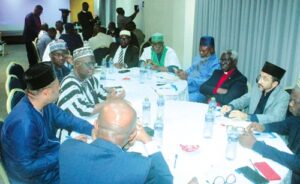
<point x="80" y="97"/>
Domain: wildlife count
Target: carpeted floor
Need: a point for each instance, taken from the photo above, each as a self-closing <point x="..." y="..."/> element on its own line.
<point x="14" y="53"/>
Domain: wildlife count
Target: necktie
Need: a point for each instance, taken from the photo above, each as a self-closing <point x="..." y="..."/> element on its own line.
<point x="120" y="60"/>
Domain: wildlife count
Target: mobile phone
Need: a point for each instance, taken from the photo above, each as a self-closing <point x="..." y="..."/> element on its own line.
<point x="124" y="71"/>
<point x="251" y="175"/>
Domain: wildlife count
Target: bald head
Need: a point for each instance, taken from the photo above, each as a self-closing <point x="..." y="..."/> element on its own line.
<point x="116" y="122"/>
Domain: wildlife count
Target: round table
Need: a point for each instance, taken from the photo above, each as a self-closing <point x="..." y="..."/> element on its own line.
<point x="183" y="125"/>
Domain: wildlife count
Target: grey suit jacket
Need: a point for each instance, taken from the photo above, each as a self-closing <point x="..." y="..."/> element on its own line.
<point x="275" y="109"/>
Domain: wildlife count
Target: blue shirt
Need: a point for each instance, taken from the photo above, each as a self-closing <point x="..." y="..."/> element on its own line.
<point x="28" y="144"/>
<point x="200" y="71"/>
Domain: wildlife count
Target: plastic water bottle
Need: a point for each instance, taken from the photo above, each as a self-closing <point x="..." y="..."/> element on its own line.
<point x="143" y="73"/>
<point x="208" y="124"/>
<point x="160" y="107"/>
<point x="212" y="104"/>
<point x="232" y="141"/>
<point x="158" y="131"/>
<point x="146" y="112"/>
<point x="103" y="70"/>
<point x="149" y="71"/>
<point x="111" y="66"/>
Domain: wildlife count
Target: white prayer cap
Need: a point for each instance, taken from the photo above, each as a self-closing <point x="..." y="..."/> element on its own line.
<point x="57" y="45"/>
<point x="125" y="32"/>
<point x="82" y="52"/>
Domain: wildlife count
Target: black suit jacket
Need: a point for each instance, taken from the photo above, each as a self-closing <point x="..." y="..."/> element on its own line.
<point x="236" y="86"/>
<point x="86" y="20"/>
<point x="131" y="57"/>
<point x="32" y="27"/>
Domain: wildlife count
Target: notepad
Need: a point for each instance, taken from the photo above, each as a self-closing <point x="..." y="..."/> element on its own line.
<point x="267" y="171"/>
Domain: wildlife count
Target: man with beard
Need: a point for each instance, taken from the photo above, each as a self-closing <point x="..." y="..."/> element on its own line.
<point x="226" y="84"/>
<point x="267" y="102"/>
<point x="203" y="66"/>
<point x="81" y="93"/>
<point x="160" y="56"/>
<point x="290" y="127"/>
<point x="29" y="147"/>
<point x="126" y="55"/>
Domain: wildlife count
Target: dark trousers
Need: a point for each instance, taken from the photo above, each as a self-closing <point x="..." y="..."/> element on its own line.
<point x="31" y="54"/>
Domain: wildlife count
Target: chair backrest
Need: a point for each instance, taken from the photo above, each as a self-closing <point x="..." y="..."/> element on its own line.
<point x="36" y="51"/>
<point x="12" y="82"/>
<point x="16" y="69"/>
<point x="13" y="98"/>
<point x="100" y="54"/>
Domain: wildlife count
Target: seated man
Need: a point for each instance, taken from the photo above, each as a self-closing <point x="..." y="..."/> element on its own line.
<point x="44" y="40"/>
<point x="81" y="93"/>
<point x="125" y="55"/>
<point x="266" y="103"/>
<point x="100" y="40"/>
<point x="72" y="38"/>
<point x="289" y="127"/>
<point x="161" y="57"/>
<point x="105" y="160"/>
<point x="226" y="84"/>
<point x="28" y="144"/>
<point x="203" y="65"/>
<point x="58" y="54"/>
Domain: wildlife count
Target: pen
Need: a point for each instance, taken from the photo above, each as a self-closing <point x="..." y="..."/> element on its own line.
<point x="253" y="166"/>
<point x="176" y="156"/>
<point x="174" y="86"/>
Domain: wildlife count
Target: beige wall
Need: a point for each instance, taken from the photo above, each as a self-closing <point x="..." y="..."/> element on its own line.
<point x="175" y="19"/>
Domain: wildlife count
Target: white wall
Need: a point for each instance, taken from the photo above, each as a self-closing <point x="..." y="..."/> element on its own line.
<point x="174" y="19"/>
<point x="13" y="12"/>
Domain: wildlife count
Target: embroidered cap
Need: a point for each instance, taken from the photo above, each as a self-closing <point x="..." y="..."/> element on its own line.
<point x="57" y="45"/>
<point x="157" y="37"/>
<point x="125" y="32"/>
<point x="207" y="41"/>
<point x="82" y="52"/>
<point x="40" y="75"/>
<point x="273" y="70"/>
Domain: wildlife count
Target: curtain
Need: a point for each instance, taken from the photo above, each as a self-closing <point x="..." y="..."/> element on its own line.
<point x="259" y="30"/>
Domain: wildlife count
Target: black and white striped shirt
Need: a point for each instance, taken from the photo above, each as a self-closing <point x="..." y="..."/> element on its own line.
<point x="80" y="97"/>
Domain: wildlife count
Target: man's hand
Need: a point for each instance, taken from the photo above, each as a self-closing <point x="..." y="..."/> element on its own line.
<point x="225" y="109"/>
<point x="247" y="140"/>
<point x="142" y="135"/>
<point x="239" y="115"/>
<point x="69" y="59"/>
<point x="255" y="127"/>
<point x="222" y="91"/>
<point x="119" y="65"/>
<point x="182" y="74"/>
<point x="113" y="94"/>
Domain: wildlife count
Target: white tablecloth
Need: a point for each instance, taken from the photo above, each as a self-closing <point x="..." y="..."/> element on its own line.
<point x="184" y="125"/>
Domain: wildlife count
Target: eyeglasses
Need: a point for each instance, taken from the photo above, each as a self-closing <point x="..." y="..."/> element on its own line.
<point x="89" y="64"/>
<point x="263" y="78"/>
<point x="230" y="179"/>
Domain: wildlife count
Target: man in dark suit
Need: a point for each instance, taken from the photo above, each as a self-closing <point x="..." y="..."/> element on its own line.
<point x="125" y="55"/>
<point x="31" y="30"/>
<point x="226" y="84"/>
<point x="72" y="38"/>
<point x="86" y="20"/>
<point x="104" y="160"/>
